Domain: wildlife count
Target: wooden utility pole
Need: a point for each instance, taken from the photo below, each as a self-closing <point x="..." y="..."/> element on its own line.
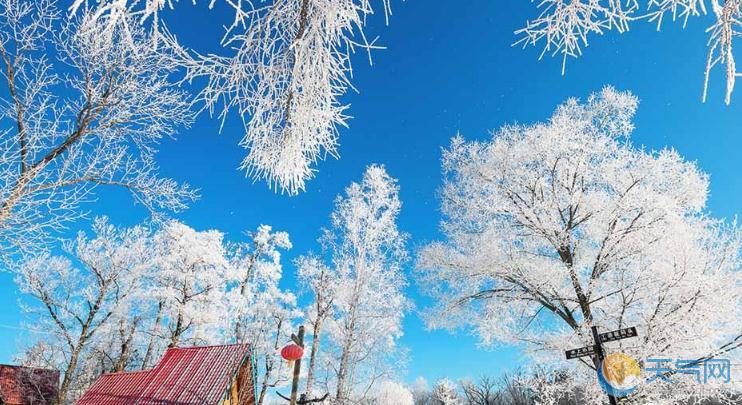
<point x="299" y="340"/>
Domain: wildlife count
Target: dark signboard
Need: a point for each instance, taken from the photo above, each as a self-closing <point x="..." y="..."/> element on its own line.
<point x="618" y="334"/>
<point x="581" y="352"/>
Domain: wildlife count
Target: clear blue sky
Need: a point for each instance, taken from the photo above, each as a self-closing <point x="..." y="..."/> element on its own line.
<point x="449" y="67"/>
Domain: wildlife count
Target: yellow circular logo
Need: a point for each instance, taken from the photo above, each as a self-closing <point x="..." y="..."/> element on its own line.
<point x="619" y="374"/>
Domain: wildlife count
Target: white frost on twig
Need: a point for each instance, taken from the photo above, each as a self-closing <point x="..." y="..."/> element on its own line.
<point x="564" y="26"/>
<point x="285" y="66"/>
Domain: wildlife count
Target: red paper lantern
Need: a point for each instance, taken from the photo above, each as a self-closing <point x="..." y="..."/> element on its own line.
<point x="292" y="352"/>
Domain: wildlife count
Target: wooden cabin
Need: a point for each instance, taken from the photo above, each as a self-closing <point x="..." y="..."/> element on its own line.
<point x="208" y="375"/>
<point x="28" y="386"/>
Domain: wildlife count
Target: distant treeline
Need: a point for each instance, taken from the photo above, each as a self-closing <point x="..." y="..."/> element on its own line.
<point x="513" y="389"/>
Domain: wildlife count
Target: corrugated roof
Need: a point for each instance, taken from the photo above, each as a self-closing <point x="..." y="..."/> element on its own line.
<point x="184" y="376"/>
<point x="26" y="385"/>
<point x="116" y="388"/>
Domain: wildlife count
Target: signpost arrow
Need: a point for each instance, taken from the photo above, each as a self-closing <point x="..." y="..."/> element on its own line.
<point x="581" y="352"/>
<point x="618" y="334"/>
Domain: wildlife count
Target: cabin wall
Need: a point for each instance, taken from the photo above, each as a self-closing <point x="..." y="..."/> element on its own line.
<point x="242" y="386"/>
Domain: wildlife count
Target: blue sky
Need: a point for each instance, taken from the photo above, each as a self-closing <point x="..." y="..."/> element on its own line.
<point x="449" y="67"/>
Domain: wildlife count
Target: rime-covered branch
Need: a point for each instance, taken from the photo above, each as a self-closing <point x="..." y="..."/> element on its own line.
<point x="285" y="66"/>
<point x="564" y="27"/>
<point x="83" y="109"/>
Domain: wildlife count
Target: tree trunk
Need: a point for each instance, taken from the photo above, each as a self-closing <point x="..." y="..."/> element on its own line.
<point x="85" y="334"/>
<point x="153" y="337"/>
<point x="264" y="383"/>
<point x="343" y="373"/>
<point x="175" y="337"/>
<point x="126" y="338"/>
<point x="316" y="329"/>
<point x="72" y="364"/>
<point x="568" y="259"/>
<point x="269" y="365"/>
<point x="243" y="291"/>
<point x="67" y="380"/>
<point x="237" y="333"/>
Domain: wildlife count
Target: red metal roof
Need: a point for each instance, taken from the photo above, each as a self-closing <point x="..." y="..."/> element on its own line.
<point x="184" y="376"/>
<point x="26" y="385"/>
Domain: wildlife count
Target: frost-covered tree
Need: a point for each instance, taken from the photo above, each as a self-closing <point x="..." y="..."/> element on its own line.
<point x="260" y="312"/>
<point x="272" y="370"/>
<point x="128" y="294"/>
<point x="392" y="393"/>
<point x="367" y="251"/>
<point x="116" y="349"/>
<point x="78" y="110"/>
<point x="122" y="341"/>
<point x="319" y="280"/>
<point x="481" y="392"/>
<point x="77" y="295"/>
<point x="256" y="268"/>
<point x="508" y="389"/>
<point x="420" y="391"/>
<point x="555" y="227"/>
<point x="445" y="393"/>
<point x="189" y="283"/>
<point x="564" y="26"/>
<point x="284" y="66"/>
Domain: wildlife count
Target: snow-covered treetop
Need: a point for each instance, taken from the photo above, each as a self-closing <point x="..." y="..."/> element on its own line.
<point x="83" y="289"/>
<point x="364" y="221"/>
<point x="392" y="393"/>
<point x="445" y="393"/>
